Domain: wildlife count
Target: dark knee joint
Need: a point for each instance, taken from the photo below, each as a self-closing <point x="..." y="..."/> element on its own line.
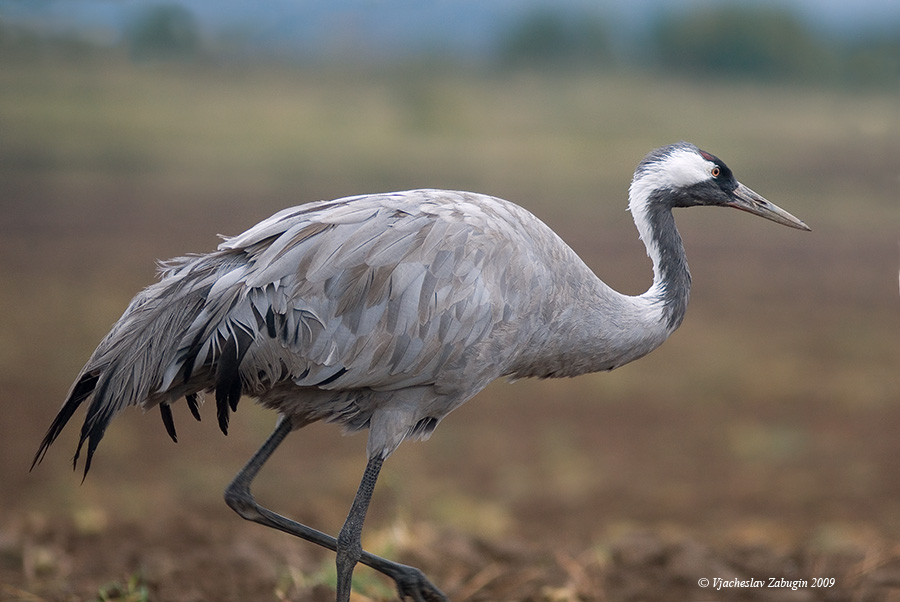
<point x="241" y="501"/>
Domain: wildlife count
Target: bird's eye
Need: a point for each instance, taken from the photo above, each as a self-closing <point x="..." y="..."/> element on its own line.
<point x="716" y="171"/>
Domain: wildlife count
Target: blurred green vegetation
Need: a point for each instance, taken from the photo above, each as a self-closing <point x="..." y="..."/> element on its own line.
<point x="167" y="31"/>
<point x="548" y="38"/>
<point x="731" y="40"/>
<point x="763" y="42"/>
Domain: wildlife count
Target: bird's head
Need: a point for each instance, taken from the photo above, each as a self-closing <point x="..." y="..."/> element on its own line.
<point x="682" y="175"/>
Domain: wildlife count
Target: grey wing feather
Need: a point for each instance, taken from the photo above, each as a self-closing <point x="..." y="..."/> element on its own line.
<point x="379" y="299"/>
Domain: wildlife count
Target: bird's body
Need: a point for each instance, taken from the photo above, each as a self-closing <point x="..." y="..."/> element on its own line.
<point x="388" y="311"/>
<point x="381" y="311"/>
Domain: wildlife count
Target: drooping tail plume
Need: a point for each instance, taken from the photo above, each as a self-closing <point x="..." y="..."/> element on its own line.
<point x="145" y="361"/>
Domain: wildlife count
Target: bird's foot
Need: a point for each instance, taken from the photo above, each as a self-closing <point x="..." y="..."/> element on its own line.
<point x="413" y="584"/>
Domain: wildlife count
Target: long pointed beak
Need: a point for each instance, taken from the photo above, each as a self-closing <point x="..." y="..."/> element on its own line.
<point x="747" y="200"/>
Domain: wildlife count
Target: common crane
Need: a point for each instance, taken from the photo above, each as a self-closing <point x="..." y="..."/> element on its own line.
<point x="385" y="312"/>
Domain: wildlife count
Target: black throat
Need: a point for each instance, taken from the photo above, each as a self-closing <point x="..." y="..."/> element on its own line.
<point x="673" y="276"/>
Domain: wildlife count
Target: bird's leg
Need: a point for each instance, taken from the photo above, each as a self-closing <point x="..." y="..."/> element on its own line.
<point x="240" y="499"/>
<point x="349" y="547"/>
<point x="411" y="582"/>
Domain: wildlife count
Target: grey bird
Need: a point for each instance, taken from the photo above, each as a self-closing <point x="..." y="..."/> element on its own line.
<point x="385" y="312"/>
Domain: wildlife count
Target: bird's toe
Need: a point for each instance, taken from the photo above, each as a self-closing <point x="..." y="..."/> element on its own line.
<point x="413" y="584"/>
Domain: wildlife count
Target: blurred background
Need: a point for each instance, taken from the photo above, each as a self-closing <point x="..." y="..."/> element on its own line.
<point x="759" y="441"/>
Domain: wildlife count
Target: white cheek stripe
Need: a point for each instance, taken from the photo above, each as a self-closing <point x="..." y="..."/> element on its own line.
<point x="681" y="168"/>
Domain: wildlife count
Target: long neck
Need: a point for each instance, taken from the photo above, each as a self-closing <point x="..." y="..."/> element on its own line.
<point x="671" y="279"/>
<point x="596" y="328"/>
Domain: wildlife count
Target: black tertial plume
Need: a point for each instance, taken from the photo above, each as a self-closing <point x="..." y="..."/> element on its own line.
<point x="165" y="410"/>
<point x="228" y="375"/>
<point x="193" y="404"/>
<point x="99" y="414"/>
<point x="270" y="323"/>
<point x="191" y="357"/>
<point x="81" y="391"/>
